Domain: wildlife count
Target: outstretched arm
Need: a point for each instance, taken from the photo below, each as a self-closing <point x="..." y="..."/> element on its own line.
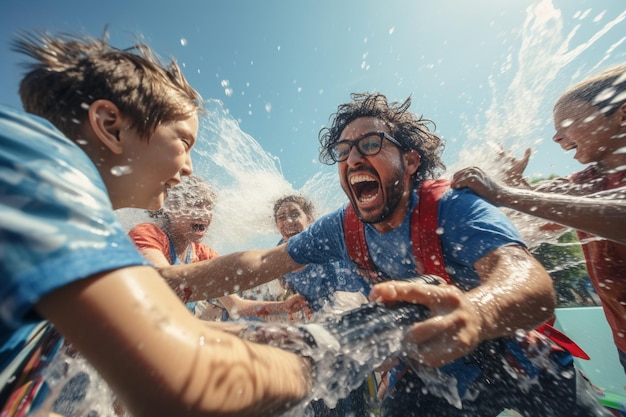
<point x="160" y="360"/>
<point x="228" y="273"/>
<point x="601" y="214"/>
<point x="237" y="306"/>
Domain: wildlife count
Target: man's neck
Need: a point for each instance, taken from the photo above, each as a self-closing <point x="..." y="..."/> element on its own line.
<point x="396" y="218"/>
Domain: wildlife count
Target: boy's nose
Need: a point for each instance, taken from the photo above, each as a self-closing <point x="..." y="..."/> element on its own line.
<point x="187" y="168"/>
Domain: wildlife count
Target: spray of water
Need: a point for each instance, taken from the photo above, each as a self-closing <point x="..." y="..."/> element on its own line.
<point x="515" y="115"/>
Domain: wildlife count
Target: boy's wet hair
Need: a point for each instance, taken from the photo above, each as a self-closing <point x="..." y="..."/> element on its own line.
<point x="605" y="91"/>
<point x="70" y="72"/>
<point x="407" y="128"/>
<point x="304" y="203"/>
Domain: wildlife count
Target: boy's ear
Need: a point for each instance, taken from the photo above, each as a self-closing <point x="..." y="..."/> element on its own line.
<point x="106" y="122"/>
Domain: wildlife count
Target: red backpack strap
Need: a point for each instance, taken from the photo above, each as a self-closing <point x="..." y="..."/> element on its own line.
<point x="354" y="234"/>
<point x="424" y="225"/>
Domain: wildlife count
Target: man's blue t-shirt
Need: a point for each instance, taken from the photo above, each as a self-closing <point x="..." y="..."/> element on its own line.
<point x="469" y="228"/>
<point x="57" y="224"/>
<point x="317" y="283"/>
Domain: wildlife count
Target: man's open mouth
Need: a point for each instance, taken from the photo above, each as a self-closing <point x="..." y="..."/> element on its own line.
<point x="365" y="187"/>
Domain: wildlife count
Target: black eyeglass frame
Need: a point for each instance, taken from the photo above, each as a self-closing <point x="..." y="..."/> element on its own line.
<point x="357" y="142"/>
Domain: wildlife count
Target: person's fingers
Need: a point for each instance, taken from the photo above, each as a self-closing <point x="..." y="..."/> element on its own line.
<point x="394" y="291"/>
<point x="466" y="177"/>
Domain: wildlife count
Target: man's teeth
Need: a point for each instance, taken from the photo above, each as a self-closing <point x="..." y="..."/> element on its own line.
<point x="360" y="178"/>
<point x="367" y="199"/>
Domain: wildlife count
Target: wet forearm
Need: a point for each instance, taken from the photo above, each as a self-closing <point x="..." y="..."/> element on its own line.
<point x="259" y="380"/>
<point x="219" y="276"/>
<point x="160" y="360"/>
<point x="512" y="283"/>
<point x="238" y="306"/>
<point x="601" y="216"/>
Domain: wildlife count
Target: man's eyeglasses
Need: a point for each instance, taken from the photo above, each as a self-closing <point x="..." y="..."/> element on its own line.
<point x="369" y="144"/>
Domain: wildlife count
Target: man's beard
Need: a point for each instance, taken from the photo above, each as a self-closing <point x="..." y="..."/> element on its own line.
<point x="393" y="195"/>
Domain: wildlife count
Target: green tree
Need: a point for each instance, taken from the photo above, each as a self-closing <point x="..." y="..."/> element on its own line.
<point x="565" y="263"/>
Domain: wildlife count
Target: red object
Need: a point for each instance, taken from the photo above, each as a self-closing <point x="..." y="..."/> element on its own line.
<point x="562" y="340"/>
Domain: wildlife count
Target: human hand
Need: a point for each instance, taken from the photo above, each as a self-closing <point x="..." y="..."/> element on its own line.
<point x="513" y="168"/>
<point x="452" y="331"/>
<point x="295" y="303"/>
<point x="478" y="181"/>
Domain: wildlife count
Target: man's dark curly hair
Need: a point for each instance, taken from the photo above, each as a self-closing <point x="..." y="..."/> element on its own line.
<point x="407" y="128"/>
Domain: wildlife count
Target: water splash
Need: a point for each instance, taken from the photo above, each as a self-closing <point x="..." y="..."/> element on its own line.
<point x="344" y="348"/>
<point x="248" y="180"/>
<point x="515" y="116"/>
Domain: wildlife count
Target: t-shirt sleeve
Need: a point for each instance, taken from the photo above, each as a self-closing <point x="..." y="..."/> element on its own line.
<point x="321" y="242"/>
<point x="57" y="224"/>
<point x="150" y="236"/>
<point x="470" y="227"/>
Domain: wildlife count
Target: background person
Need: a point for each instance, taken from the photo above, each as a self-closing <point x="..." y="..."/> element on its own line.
<point x="176" y="236"/>
<point x="318" y="285"/>
<point x="589" y="119"/>
<point x="321" y="287"/>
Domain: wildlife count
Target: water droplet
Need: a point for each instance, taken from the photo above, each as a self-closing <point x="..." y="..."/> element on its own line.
<point x="183" y="41"/>
<point x="120" y="170"/>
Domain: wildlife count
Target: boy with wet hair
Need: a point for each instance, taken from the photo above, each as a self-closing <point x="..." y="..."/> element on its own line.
<point x="69" y="268"/>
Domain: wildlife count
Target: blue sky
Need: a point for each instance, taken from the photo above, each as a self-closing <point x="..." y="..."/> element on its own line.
<point x="485" y="71"/>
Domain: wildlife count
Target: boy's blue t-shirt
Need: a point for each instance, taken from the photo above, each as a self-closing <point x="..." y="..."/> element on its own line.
<point x="57" y="224"/>
<point x="317" y="283"/>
